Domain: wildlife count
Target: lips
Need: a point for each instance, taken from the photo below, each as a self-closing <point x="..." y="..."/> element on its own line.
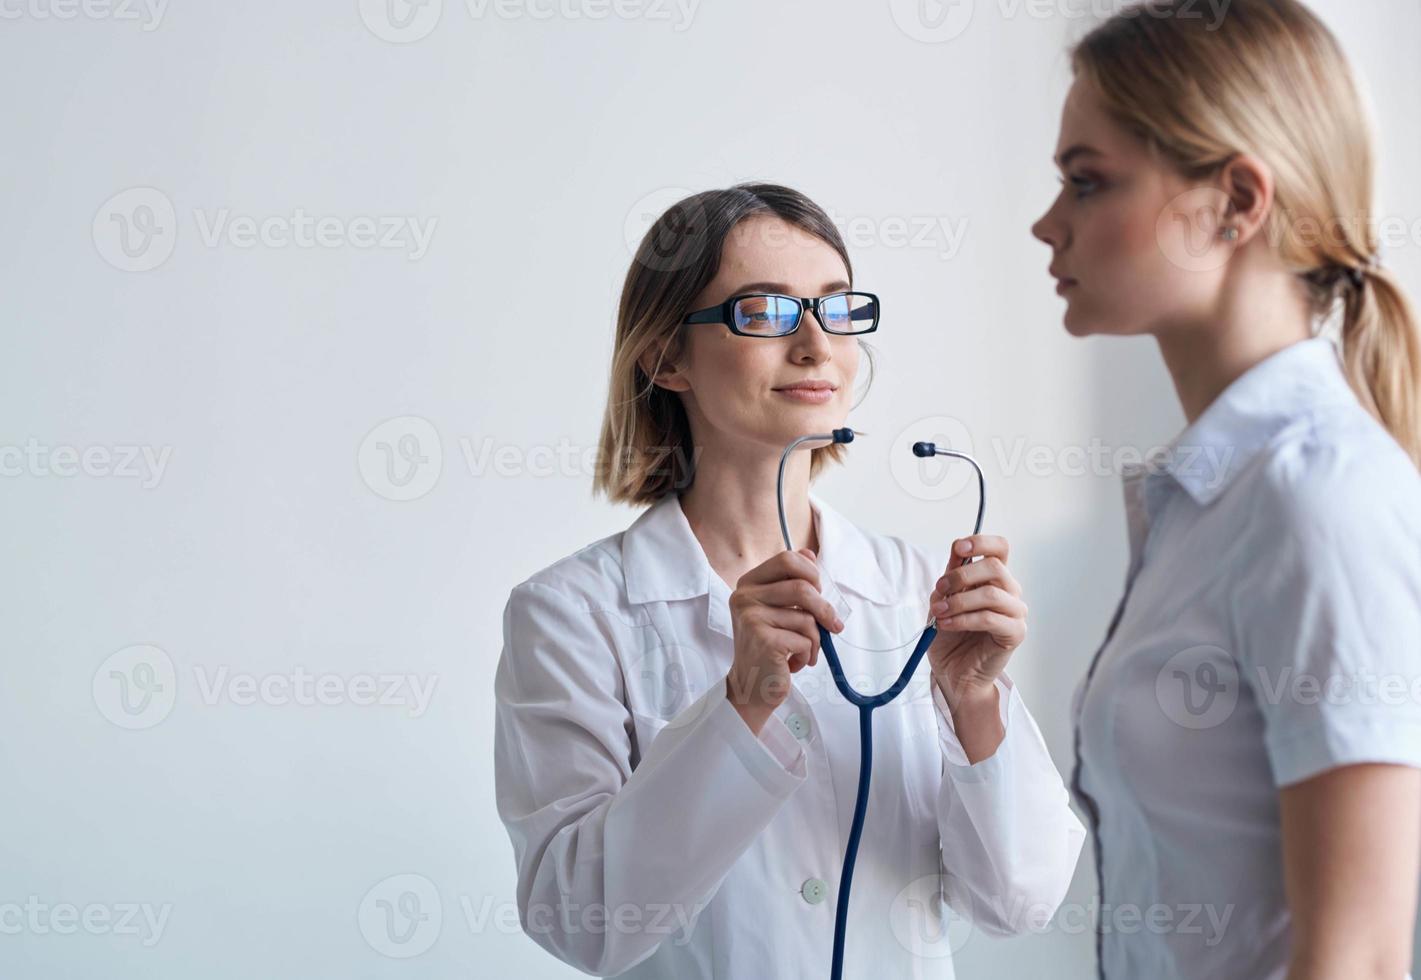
<point x="808" y="393"/>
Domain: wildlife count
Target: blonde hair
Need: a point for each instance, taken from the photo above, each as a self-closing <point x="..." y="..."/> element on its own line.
<point x="1269" y="79"/>
<point x="646" y="450"/>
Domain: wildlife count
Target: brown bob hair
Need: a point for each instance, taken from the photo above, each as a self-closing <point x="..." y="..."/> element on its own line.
<point x="645" y="449"/>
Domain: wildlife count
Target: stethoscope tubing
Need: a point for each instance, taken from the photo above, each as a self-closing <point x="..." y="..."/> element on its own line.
<point x="866" y="703"/>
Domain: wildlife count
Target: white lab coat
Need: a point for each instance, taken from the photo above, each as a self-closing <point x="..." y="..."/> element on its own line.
<point x="655" y="835"/>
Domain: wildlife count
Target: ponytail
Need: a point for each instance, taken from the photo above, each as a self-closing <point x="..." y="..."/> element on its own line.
<point x="1381" y="350"/>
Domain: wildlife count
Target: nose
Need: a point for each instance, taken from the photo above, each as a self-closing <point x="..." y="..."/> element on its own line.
<point x="1050" y="229"/>
<point x="810" y="342"/>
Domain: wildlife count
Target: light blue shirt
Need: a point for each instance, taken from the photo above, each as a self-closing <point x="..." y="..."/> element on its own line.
<point x="1270" y="630"/>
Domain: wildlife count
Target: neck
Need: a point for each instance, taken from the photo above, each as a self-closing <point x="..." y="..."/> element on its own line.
<point x="731" y="507"/>
<point x="1258" y="315"/>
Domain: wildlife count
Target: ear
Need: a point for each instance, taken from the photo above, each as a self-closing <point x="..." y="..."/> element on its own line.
<point x="1248" y="182"/>
<point x="669" y="376"/>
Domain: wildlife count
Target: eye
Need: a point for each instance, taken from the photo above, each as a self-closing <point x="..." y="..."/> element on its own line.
<point x="1084" y="186"/>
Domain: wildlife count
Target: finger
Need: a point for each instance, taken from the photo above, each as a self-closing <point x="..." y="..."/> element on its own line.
<point x="785" y="565"/>
<point x="797" y="647"/>
<point x="989" y="597"/>
<point x="989" y="571"/>
<point x="792" y="593"/>
<point x="981" y="546"/>
<point x="795" y="621"/>
<point x="1006" y="630"/>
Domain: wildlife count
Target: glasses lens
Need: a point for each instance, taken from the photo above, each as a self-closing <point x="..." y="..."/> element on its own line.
<point x="769" y="316"/>
<point x="849" y="312"/>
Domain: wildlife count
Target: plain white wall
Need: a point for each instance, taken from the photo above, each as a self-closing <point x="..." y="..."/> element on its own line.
<point x="245" y="243"/>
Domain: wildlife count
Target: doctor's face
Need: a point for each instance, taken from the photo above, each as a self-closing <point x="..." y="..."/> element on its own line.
<point x="743" y="388"/>
<point x="1128" y="249"/>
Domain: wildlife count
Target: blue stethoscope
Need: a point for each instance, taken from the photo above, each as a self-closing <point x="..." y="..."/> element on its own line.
<point x="866" y="703"/>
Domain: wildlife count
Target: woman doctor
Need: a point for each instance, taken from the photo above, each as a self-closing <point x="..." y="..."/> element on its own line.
<point x="674" y="765"/>
<point x="1249" y="735"/>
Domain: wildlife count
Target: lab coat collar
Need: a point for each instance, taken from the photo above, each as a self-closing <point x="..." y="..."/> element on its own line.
<point x="1208" y="455"/>
<point x="662" y="560"/>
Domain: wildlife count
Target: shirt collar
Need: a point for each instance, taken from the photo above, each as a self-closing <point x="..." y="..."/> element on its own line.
<point x="662" y="560"/>
<point x="1240" y="423"/>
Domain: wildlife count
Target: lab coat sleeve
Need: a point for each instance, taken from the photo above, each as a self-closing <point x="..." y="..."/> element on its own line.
<point x="613" y="860"/>
<point x="1009" y="838"/>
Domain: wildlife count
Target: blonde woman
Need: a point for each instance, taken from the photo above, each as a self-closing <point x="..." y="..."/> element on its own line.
<point x="1249" y="735"/>
<point x="675" y="768"/>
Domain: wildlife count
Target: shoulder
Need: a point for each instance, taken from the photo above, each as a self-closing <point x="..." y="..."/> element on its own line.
<point x="1333" y="491"/>
<point x="1337" y="468"/>
<point x="589" y="579"/>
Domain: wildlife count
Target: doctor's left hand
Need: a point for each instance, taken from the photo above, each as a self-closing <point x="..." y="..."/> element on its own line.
<point x="981" y="619"/>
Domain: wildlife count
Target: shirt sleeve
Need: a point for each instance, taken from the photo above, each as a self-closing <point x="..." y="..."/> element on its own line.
<point x="639" y="850"/>
<point x="1328" y="629"/>
<point x="1010" y="840"/>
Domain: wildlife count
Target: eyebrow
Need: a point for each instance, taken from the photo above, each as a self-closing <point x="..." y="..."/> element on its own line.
<point x="1079" y="150"/>
<point x="838" y="285"/>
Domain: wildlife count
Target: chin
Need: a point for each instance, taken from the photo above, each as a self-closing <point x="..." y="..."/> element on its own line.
<point x="1077" y="325"/>
<point x="1081" y="324"/>
<point x="800" y="420"/>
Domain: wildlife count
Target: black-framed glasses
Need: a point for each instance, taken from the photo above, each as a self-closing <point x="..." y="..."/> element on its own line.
<point x="777" y="315"/>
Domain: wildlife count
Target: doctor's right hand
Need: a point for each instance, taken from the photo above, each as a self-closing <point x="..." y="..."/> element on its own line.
<point x="775" y="613"/>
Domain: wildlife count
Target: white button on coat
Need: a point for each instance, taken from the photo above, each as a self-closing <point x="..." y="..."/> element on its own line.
<point x="799" y="725"/>
<point x="655" y="835"/>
